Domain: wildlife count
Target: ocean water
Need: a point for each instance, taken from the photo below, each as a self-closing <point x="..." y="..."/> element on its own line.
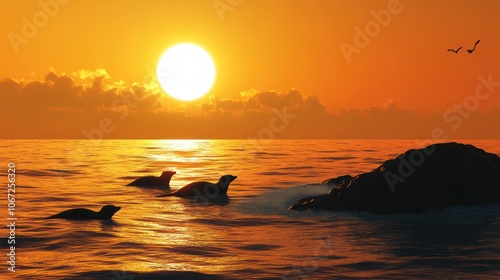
<point x="251" y="235"/>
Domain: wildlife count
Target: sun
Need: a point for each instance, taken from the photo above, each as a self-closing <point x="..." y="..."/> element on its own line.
<point x="186" y="72"/>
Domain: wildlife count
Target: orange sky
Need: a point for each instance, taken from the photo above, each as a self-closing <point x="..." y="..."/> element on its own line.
<point x="269" y="55"/>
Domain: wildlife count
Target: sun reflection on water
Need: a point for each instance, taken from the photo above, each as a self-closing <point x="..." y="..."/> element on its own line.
<point x="170" y="233"/>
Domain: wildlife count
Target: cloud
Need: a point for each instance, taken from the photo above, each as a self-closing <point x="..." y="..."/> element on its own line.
<point x="90" y="74"/>
<point x="64" y="106"/>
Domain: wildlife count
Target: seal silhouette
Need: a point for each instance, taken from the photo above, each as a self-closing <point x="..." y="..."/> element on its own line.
<point x="154" y="182"/>
<point x="204" y="188"/>
<point x="105" y="213"/>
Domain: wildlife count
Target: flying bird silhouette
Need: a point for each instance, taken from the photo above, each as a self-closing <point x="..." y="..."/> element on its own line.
<point x="455" y="51"/>
<point x="470" y="51"/>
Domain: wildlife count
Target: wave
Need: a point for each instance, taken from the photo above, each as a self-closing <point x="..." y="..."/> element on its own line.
<point x="277" y="202"/>
<point x="48" y="173"/>
<point x="160" y="275"/>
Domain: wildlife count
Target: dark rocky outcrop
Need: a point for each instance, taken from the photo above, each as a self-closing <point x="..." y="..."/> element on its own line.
<point x="338" y="180"/>
<point x="438" y="176"/>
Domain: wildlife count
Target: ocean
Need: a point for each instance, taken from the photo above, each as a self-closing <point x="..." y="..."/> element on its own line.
<point x="250" y="235"/>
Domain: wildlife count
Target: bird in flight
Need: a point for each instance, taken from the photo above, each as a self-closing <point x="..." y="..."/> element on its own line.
<point x="470" y="51"/>
<point x="455" y="51"/>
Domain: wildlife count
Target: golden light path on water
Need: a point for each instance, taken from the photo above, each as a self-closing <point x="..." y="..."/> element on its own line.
<point x="251" y="233"/>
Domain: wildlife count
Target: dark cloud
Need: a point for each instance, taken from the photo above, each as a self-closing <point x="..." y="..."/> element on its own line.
<point x="64" y="106"/>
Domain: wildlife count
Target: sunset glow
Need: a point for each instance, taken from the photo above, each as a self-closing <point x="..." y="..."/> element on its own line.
<point x="186" y="72"/>
<point x="250" y="139"/>
<point x="346" y="69"/>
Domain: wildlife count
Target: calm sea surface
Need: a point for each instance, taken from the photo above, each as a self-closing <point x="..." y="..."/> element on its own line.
<point x="250" y="236"/>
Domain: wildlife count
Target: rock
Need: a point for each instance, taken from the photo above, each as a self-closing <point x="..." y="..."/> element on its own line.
<point x="338" y="180"/>
<point x="438" y="176"/>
